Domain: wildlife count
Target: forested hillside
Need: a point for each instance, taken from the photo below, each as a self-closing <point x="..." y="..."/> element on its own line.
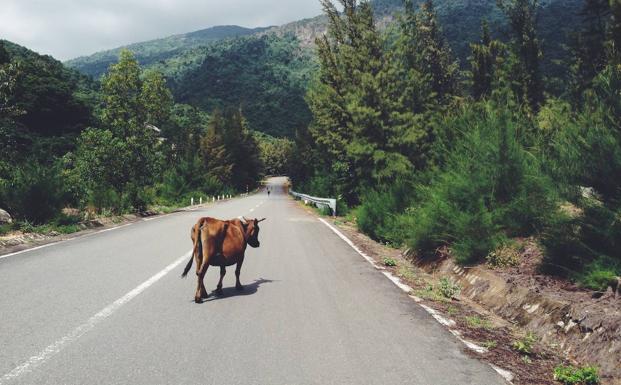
<point x="266" y="73"/>
<point x="110" y="147"/>
<point x="154" y="51"/>
<point x="266" y="76"/>
<point x="468" y="164"/>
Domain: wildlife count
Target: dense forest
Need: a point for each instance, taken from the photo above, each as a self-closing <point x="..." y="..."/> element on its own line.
<point x="434" y="157"/>
<point x="110" y="147"/>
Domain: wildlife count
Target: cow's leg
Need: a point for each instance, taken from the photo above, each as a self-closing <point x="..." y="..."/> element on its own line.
<point x="207" y="250"/>
<point x="238" y="284"/>
<point x="201" y="292"/>
<point x="222" y="274"/>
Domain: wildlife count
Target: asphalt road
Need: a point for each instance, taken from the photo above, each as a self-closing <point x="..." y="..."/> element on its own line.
<point x="110" y="308"/>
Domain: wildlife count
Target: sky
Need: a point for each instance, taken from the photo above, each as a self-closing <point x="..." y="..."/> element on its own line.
<point x="67" y="29"/>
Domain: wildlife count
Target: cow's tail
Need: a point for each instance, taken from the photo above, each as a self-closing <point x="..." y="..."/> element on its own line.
<point x="195" y="249"/>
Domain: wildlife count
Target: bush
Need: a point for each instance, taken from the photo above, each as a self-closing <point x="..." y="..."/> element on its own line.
<point x="447" y="288"/>
<point x="34" y="193"/>
<point x="525" y="344"/>
<point x="491" y="188"/>
<point x="571" y="375"/>
<point x="380" y="214"/>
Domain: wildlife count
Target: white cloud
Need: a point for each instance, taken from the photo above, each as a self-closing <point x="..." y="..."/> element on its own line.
<point x="70" y="28"/>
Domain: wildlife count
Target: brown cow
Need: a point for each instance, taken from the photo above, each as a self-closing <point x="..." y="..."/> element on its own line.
<point x="220" y="243"/>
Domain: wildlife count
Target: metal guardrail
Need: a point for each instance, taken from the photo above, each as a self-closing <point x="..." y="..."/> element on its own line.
<point x="325" y="202"/>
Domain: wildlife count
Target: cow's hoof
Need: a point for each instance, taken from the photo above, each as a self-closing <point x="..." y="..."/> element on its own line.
<point x="239" y="287"/>
<point x="219" y="290"/>
<point x="205" y="295"/>
<point x="198" y="300"/>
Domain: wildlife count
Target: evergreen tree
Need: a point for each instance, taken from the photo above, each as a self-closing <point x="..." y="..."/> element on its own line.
<point x="216" y="158"/>
<point x="434" y="56"/>
<point x="352" y="112"/>
<point x="588" y="47"/>
<point x="243" y="150"/>
<point x="525" y="74"/>
<point x="484" y="62"/>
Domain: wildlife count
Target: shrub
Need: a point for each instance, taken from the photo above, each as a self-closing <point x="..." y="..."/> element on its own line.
<point x="490" y="188"/>
<point x="525" y="344"/>
<point x="380" y="215"/>
<point x="389" y="262"/>
<point x="571" y="375"/>
<point x="505" y="256"/>
<point x="447" y="288"/>
<point x="34" y="193"/>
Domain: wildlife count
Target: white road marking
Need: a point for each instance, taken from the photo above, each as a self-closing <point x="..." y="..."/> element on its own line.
<point x="251" y="210"/>
<point x="32" y="249"/>
<point x="63" y="241"/>
<point x="449" y="323"/>
<point x="350" y="243"/>
<point x="78" y="332"/>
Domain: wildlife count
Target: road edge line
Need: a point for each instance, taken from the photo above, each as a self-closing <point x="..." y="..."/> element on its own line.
<point x="446" y="322"/>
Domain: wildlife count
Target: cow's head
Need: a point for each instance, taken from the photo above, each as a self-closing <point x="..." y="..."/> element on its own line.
<point x="252" y="231"/>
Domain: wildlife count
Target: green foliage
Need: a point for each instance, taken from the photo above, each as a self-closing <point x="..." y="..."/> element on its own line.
<point x="477" y="322"/>
<point x="34" y="193"/>
<point x="266" y="76"/>
<point x="391" y="262"/>
<point x="447" y="288"/>
<point x="491" y="188"/>
<point x="276" y="154"/>
<point x="155" y="51"/>
<point x="381" y="213"/>
<point x="506" y="255"/>
<point x="525" y="72"/>
<point x="571" y="375"/>
<point x="525" y="344"/>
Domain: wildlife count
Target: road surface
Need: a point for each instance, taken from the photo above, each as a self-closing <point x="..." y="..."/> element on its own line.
<point x="110" y="308"/>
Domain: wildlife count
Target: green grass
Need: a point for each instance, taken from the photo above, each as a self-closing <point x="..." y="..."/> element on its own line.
<point x="476" y="322"/>
<point x="490" y="344"/>
<point x="571" y="375"/>
<point x="391" y="262"/>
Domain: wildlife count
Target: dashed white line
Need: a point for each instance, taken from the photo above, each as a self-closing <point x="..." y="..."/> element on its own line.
<point x="78" y="332"/>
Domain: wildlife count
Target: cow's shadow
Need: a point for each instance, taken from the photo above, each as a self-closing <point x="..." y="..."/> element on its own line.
<point x="249" y="289"/>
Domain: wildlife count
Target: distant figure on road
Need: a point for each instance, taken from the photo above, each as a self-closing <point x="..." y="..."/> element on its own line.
<point x="268" y="191"/>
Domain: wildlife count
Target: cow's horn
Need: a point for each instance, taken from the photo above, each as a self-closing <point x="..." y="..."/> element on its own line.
<point x="261" y="220"/>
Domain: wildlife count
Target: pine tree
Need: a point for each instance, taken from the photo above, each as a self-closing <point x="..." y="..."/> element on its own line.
<point x="216" y="158"/>
<point x="352" y="105"/>
<point x="525" y="74"/>
<point x="484" y="63"/>
<point x="434" y="56"/>
<point x="588" y="49"/>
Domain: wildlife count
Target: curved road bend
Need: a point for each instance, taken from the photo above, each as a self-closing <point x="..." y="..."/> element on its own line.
<point x="110" y="308"/>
